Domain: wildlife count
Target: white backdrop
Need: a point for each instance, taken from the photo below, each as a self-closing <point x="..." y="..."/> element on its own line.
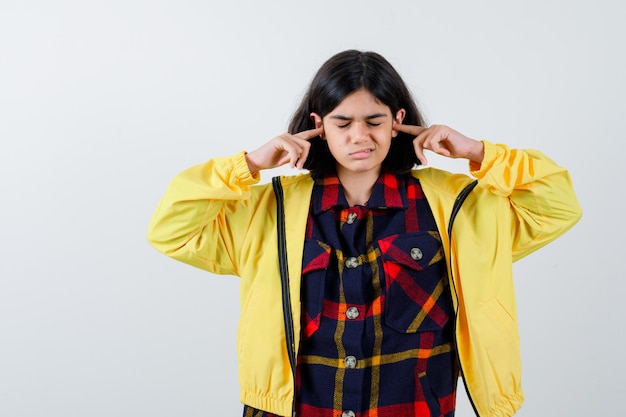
<point x="102" y="102"/>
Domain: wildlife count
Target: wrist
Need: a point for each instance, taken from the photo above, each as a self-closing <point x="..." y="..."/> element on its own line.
<point x="251" y="165"/>
<point x="476" y="152"/>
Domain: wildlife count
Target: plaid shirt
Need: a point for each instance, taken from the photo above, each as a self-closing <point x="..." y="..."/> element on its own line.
<point x="377" y="327"/>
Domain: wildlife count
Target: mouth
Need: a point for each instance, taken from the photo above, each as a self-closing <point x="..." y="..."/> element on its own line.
<point x="362" y="151"/>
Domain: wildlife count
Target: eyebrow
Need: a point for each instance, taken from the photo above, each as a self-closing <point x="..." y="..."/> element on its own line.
<point x="346" y="118"/>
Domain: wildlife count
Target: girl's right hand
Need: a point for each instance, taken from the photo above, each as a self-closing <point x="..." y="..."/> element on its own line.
<point x="286" y="148"/>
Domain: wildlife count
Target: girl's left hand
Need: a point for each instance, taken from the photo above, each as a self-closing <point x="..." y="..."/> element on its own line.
<point x="443" y="141"/>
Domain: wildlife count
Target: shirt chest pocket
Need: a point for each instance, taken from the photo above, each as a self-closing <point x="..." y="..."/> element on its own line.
<point x="416" y="287"/>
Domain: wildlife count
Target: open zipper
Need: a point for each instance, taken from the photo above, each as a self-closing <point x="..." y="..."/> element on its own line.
<point x="460" y="199"/>
<point x="284" y="280"/>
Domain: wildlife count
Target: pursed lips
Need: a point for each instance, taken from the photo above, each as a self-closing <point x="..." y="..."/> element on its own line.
<point x="360" y="151"/>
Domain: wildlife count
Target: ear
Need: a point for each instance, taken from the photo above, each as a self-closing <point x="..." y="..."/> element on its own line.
<point x="317" y="119"/>
<point x="398" y="119"/>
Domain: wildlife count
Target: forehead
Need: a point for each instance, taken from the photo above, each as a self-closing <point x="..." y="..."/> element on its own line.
<point x="359" y="103"/>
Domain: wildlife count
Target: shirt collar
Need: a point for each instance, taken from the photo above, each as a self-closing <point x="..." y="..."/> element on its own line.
<point x="389" y="193"/>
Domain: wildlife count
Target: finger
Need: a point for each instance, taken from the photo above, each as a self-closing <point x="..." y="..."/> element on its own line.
<point x="310" y="134"/>
<point x="410" y="129"/>
<point x="284" y="160"/>
<point x="300" y="157"/>
<point x="300" y="153"/>
<point x="289" y="158"/>
<point x="419" y="151"/>
<point x="436" y="141"/>
<point x="436" y="146"/>
<point x="303" y="140"/>
<point x="294" y="157"/>
<point x="304" y="155"/>
<point x="290" y="149"/>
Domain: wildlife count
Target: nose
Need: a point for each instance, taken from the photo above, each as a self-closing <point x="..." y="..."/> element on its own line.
<point x="359" y="132"/>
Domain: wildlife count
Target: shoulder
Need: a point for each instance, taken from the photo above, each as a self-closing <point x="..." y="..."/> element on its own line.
<point x="441" y="181"/>
<point x="293" y="185"/>
<point x="289" y="180"/>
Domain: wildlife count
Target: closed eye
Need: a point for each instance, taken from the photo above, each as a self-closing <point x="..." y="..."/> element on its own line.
<point x="343" y="126"/>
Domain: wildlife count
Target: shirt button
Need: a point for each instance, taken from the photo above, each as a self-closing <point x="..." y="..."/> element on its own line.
<point x="416" y="253"/>
<point x="351" y="218"/>
<point x="352" y="262"/>
<point x="352" y="313"/>
<point x="348" y="413"/>
<point x="350" y="362"/>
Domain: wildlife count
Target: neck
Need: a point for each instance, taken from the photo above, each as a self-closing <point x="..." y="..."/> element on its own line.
<point x="358" y="187"/>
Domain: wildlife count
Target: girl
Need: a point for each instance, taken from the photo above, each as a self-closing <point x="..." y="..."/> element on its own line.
<point x="383" y="304"/>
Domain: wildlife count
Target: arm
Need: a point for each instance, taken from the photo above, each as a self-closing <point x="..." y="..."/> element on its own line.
<point x="204" y="214"/>
<point x="208" y="210"/>
<point x="539" y="192"/>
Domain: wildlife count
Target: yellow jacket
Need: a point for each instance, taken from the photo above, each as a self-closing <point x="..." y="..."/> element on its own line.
<point x="214" y="217"/>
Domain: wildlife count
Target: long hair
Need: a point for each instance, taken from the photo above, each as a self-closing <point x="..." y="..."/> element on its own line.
<point x="343" y="74"/>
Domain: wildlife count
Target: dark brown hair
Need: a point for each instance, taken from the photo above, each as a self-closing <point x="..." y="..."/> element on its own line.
<point x="343" y="74"/>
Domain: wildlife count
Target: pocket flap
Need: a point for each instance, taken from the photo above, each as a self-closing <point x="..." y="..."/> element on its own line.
<point x="316" y="256"/>
<point x="413" y="250"/>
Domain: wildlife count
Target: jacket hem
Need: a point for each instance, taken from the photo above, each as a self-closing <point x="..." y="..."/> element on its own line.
<point x="281" y="407"/>
<point x="506" y="407"/>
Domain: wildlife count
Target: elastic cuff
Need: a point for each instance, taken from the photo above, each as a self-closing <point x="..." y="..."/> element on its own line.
<point x="242" y="170"/>
<point x="491" y="152"/>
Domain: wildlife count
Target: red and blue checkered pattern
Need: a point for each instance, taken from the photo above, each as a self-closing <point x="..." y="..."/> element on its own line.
<point x="377" y="330"/>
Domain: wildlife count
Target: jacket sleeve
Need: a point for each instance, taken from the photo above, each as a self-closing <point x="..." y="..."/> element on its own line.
<point x="204" y="214"/>
<point x="539" y="192"/>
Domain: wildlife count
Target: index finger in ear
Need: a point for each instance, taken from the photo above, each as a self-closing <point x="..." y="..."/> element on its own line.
<point x="410" y="129"/>
<point x="310" y="134"/>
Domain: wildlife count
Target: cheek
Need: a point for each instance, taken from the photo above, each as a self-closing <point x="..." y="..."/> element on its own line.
<point x="334" y="138"/>
<point x="384" y="137"/>
<point x="334" y="147"/>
